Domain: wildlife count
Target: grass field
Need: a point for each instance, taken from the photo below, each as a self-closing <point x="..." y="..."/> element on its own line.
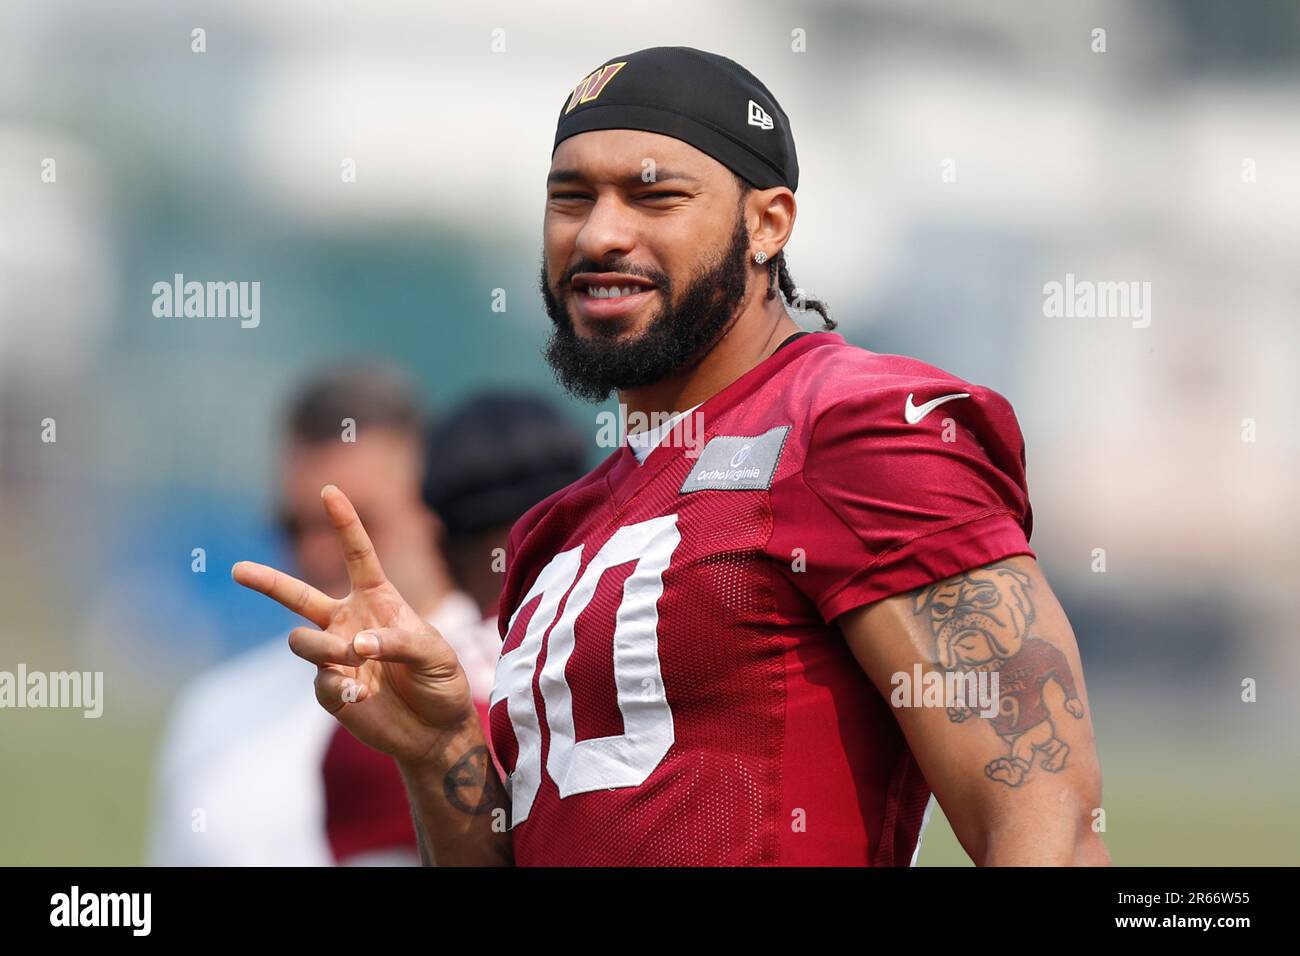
<point x="1188" y="808"/>
<point x="76" y="792"/>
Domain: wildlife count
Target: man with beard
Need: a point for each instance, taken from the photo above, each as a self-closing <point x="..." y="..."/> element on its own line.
<point x="692" y="631"/>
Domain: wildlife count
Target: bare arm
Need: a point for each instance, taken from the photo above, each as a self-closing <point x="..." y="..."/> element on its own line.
<point x="461" y="809"/>
<point x="1012" y="761"/>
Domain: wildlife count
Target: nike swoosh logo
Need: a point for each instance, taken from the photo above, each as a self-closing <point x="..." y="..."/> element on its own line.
<point x="914" y="413"/>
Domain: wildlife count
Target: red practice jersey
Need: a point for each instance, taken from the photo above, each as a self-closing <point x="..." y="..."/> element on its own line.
<point x="673" y="689"/>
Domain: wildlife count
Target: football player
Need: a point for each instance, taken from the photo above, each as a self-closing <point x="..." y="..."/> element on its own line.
<point x="704" y="638"/>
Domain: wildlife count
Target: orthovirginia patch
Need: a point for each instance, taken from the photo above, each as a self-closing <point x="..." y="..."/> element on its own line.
<point x="738" y="462"/>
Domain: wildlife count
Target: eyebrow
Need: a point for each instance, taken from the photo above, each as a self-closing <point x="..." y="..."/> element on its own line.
<point x="631" y="179"/>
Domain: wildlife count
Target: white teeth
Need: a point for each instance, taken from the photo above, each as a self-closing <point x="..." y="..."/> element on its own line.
<point x="610" y="291"/>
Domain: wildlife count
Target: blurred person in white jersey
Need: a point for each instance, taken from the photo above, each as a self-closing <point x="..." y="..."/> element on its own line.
<point x="239" y="776"/>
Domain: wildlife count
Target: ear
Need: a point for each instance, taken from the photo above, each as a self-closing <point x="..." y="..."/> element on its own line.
<point x="1017" y="583"/>
<point x="922" y="599"/>
<point x="773" y="210"/>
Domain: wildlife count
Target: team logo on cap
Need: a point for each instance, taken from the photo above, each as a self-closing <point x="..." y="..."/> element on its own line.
<point x="592" y="84"/>
<point x="758" y="116"/>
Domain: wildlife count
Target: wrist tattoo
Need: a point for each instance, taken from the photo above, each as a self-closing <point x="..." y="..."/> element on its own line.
<point x="471" y="785"/>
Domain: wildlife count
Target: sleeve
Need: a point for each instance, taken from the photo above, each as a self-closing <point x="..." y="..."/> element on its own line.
<point x="882" y="506"/>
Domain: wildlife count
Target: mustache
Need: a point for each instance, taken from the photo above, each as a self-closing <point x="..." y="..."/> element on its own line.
<point x="565" y="281"/>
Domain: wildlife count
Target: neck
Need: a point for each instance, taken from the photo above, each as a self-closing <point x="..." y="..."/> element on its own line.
<point x="761" y="326"/>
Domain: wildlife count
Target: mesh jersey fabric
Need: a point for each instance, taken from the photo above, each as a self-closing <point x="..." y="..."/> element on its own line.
<point x="673" y="689"/>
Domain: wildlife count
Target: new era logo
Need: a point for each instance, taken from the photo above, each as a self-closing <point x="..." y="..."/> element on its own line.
<point x="758" y="116"/>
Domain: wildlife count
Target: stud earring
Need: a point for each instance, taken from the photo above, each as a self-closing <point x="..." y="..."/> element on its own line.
<point x="760" y="257"/>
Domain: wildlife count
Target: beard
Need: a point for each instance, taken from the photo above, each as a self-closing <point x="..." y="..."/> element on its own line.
<point x="681" y="333"/>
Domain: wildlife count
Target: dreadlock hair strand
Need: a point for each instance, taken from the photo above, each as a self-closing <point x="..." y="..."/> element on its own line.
<point x="778" y="278"/>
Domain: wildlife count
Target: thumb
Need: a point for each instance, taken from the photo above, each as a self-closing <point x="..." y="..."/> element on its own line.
<point x="418" y="649"/>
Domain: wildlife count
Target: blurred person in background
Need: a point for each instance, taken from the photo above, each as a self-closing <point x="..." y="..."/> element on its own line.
<point x="491" y="460"/>
<point x="238" y="781"/>
<point x="488" y="462"/>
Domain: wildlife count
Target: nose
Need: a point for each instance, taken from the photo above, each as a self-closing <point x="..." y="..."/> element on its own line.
<point x="608" y="232"/>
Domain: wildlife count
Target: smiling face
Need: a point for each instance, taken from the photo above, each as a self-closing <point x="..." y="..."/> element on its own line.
<point x="978" y="618"/>
<point x="644" y="260"/>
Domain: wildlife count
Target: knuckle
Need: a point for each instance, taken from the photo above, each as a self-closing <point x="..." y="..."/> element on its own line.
<point x="361" y="552"/>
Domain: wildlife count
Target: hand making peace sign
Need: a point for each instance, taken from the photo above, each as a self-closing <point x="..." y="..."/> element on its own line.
<point x="384" y="672"/>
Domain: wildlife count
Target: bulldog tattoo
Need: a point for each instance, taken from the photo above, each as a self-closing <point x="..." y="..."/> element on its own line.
<point x="981" y="621"/>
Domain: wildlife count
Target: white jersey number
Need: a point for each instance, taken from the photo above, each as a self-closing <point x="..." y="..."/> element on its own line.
<point x="578" y="766"/>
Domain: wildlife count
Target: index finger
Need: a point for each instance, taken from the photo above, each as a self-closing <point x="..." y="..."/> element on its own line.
<point x="364" y="570"/>
<point x="298" y="596"/>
